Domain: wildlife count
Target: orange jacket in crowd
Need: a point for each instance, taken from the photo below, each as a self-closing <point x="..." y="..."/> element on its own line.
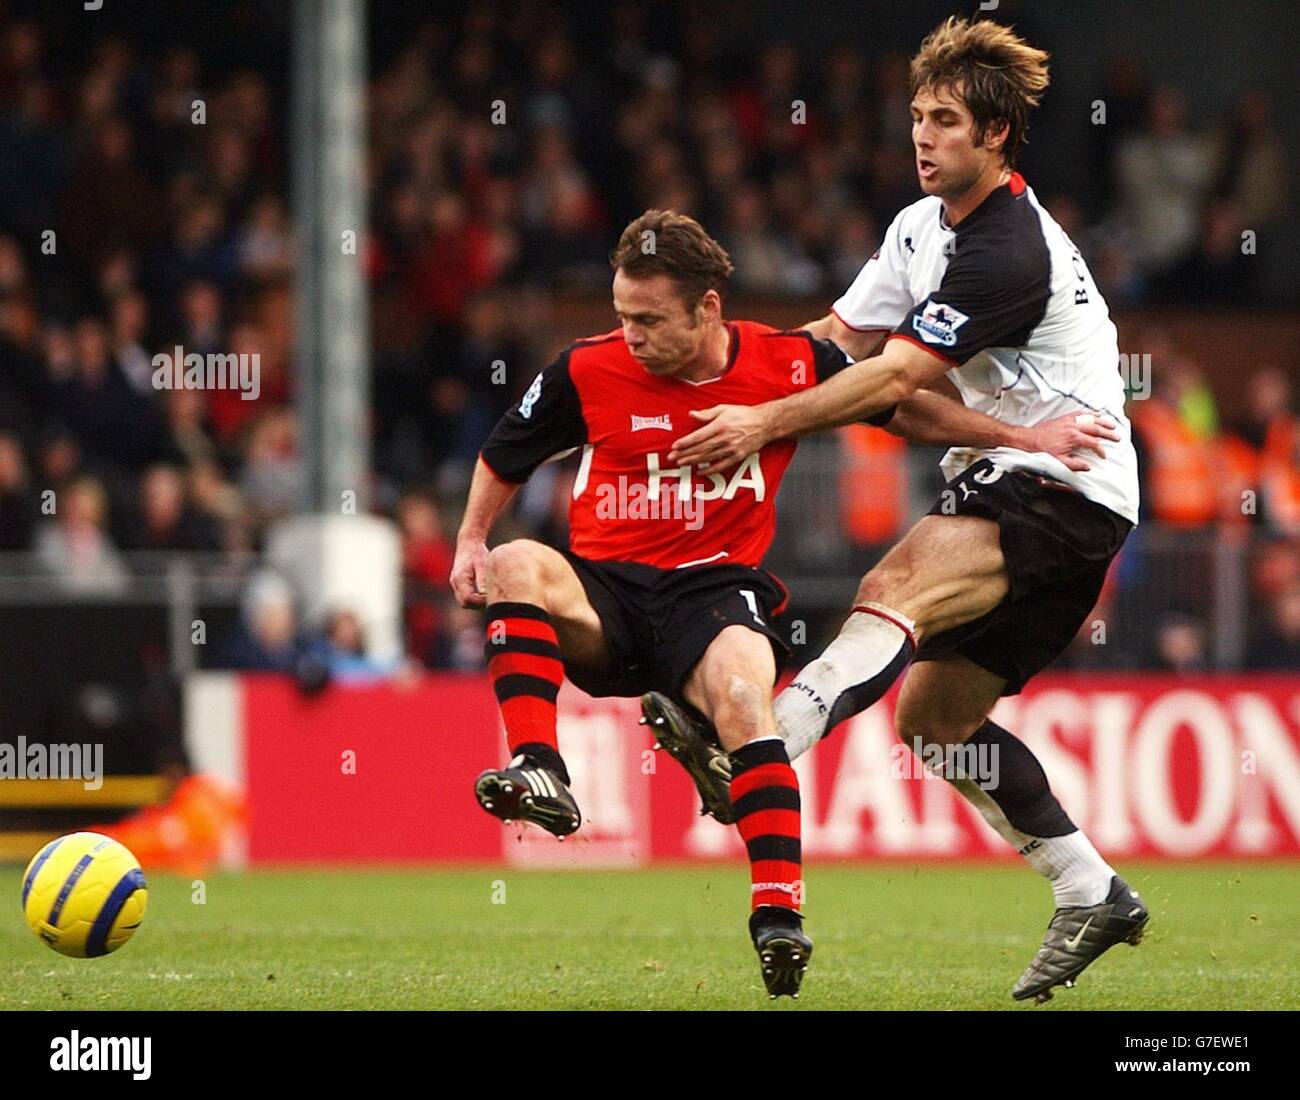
<point x="1189" y="481"/>
<point x="873" y="485"/>
<point x="1279" y="474"/>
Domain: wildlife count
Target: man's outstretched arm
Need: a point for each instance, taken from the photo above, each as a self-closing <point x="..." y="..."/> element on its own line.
<point x="894" y="377"/>
<point x="932" y="419"/>
<point x="864" y="389"/>
<point x="856" y="343"/>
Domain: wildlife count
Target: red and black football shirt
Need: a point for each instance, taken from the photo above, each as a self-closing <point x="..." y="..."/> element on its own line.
<point x="629" y="503"/>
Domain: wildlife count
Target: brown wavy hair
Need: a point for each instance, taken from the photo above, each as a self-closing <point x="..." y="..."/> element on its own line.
<point x="996" y="73"/>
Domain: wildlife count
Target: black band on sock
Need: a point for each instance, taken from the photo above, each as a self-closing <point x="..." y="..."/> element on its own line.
<point x="1022" y="792"/>
<point x="854" y="700"/>
<point x="500" y="638"/>
<point x="543" y="756"/>
<point x="538" y="647"/>
<point x="506" y="609"/>
<point x="751" y="755"/>
<point x="508" y="687"/>
<point x="766" y="798"/>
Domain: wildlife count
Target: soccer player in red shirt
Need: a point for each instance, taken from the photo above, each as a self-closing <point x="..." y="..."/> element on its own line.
<point x="660" y="592"/>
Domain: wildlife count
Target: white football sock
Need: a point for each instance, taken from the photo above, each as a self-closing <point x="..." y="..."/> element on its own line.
<point x="1078" y="874"/>
<point x="868" y="644"/>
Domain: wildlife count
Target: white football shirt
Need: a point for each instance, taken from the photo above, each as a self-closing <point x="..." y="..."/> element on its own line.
<point x="1008" y="302"/>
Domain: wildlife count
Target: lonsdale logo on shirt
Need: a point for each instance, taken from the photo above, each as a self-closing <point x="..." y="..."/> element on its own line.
<point x="938" y="323"/>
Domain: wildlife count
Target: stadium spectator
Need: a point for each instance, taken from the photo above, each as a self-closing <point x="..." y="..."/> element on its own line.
<point x="1218" y="270"/>
<point x="24" y="394"/>
<point x="1259" y="451"/>
<point x="1164" y="173"/>
<point x="13" y="268"/>
<point x="764" y="263"/>
<point x="272" y="479"/>
<point x="1124" y="96"/>
<point x="110" y="201"/>
<point x="188" y="438"/>
<point x="73" y="547"/>
<point x="459" y="646"/>
<point x="129" y="322"/>
<point x="426" y="564"/>
<point x="164" y="519"/>
<point x="213" y="497"/>
<point x="265" y="247"/>
<point x="29" y="133"/>
<point x="1180" y="645"/>
<point x="1252" y="160"/>
<point x="90" y="394"/>
<point x="1277" y="646"/>
<point x="18" y="504"/>
<point x="267" y="637"/>
<point x="200" y="249"/>
<point x="1173" y="428"/>
<point x="341" y="647"/>
<point x="58" y="457"/>
<point x="201" y="327"/>
<point x="231" y="410"/>
<point x="854" y="240"/>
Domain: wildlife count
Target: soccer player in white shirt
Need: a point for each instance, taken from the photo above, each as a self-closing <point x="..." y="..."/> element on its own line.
<point x="978" y="283"/>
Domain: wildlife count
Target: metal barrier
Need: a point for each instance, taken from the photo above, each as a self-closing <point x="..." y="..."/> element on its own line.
<point x="1202" y="574"/>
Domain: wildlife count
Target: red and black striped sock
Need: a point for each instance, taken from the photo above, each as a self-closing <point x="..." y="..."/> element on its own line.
<point x="765" y="802"/>
<point x="523" y="660"/>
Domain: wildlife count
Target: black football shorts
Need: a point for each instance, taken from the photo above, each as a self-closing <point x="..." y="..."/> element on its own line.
<point x="1057" y="544"/>
<point x="659" y="622"/>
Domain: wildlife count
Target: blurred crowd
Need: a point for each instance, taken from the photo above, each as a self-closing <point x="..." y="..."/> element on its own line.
<point x="504" y="157"/>
<point x="128" y="231"/>
<point x="1209" y="482"/>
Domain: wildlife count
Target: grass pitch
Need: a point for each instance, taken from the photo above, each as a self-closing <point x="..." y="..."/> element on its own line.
<point x="887" y="937"/>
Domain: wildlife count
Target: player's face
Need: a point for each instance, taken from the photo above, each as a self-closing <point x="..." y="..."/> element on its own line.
<point x="948" y="162"/>
<point x="661" y="333"/>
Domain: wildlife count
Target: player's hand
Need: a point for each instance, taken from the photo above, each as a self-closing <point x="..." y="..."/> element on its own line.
<point x="1066" y="435"/>
<point x="469" y="574"/>
<point x="729" y="434"/>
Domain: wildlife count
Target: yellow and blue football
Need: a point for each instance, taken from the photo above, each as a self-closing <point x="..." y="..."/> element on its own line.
<point x="84" y="895"/>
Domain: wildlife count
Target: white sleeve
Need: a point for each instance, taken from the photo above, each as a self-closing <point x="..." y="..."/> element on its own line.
<point x="879" y="297"/>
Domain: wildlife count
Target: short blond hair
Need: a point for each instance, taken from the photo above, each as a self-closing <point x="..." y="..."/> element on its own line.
<point x="994" y="71"/>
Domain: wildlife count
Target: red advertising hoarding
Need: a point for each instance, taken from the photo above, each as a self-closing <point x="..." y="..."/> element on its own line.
<point x="1147" y="765"/>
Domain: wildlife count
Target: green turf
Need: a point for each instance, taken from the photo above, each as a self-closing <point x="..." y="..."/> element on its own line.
<point x="896" y="937"/>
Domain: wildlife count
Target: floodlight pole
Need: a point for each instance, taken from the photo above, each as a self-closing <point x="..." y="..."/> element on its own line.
<point x="332" y="313"/>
